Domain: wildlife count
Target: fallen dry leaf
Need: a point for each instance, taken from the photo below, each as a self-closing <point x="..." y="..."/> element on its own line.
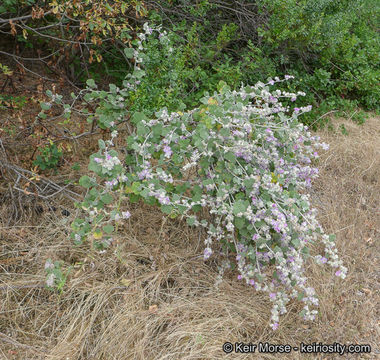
<point x="125" y="282"/>
<point x="153" y="309"/>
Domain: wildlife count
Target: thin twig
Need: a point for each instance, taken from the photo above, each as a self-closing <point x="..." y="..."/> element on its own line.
<point x="21" y="173"/>
<point x="330" y="112"/>
<point x="21" y="18"/>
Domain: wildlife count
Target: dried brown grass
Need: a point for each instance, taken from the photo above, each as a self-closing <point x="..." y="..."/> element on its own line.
<point x="153" y="297"/>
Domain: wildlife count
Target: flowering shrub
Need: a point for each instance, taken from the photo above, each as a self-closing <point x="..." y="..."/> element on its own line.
<point x="238" y="165"/>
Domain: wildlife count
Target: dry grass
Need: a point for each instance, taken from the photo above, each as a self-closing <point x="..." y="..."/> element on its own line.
<point x="154" y="297"/>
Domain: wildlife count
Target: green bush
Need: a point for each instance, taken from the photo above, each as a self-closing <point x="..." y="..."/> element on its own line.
<point x="331" y="47"/>
<point x="237" y="165"/>
<point x="49" y="158"/>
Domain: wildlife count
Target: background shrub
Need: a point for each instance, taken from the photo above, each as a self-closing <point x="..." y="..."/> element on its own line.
<point x="331" y="47"/>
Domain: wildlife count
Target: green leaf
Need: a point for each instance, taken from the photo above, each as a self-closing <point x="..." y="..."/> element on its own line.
<point x="240" y="206"/>
<point x="190" y="220"/>
<point x="239" y="223"/>
<point x="230" y="156"/>
<point x="136" y="186"/>
<point x="240" y="196"/>
<point x="45" y="106"/>
<point x="275" y="275"/>
<point x="157" y="129"/>
<point x="197" y="195"/>
<point x="106" y="198"/>
<point x="224" y="132"/>
<point x="208" y="182"/>
<point x="137" y="117"/>
<point x="221" y="85"/>
<point x="296" y="242"/>
<point x="113" y="88"/>
<point x="204" y="133"/>
<point x="300" y="296"/>
<point x="196" y="208"/>
<point x="86" y="181"/>
<point x="133" y="198"/>
<point x="167" y="209"/>
<point x="265" y="196"/>
<point x="91" y="83"/>
<point x="108" y="229"/>
<point x="304" y="205"/>
<point x="181" y="188"/>
<point x="139" y="73"/>
<point x="181" y="208"/>
<point x="142" y="129"/>
<point x="129" y="52"/>
<point x="94" y="192"/>
<point x="93" y="166"/>
<point x="197" y="190"/>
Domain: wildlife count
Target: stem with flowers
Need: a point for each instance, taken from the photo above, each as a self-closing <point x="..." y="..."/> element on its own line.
<point x="239" y="165"/>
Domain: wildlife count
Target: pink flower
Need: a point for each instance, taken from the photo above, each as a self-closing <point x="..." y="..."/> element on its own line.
<point x="50" y="280"/>
<point x="126" y="215"/>
<point x="168" y="151"/>
<point x="207" y="253"/>
<point x="49" y="264"/>
<point x="164" y="200"/>
<point x="274" y="326"/>
<point x="143" y="174"/>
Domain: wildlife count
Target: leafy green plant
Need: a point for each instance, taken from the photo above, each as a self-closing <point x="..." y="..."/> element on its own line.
<point x="237" y="165"/>
<point x="5" y="70"/>
<point x="331" y="48"/>
<point x="9" y="6"/>
<point x="49" y="158"/>
<point x="10" y="101"/>
<point x="56" y="277"/>
<point x="76" y="166"/>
